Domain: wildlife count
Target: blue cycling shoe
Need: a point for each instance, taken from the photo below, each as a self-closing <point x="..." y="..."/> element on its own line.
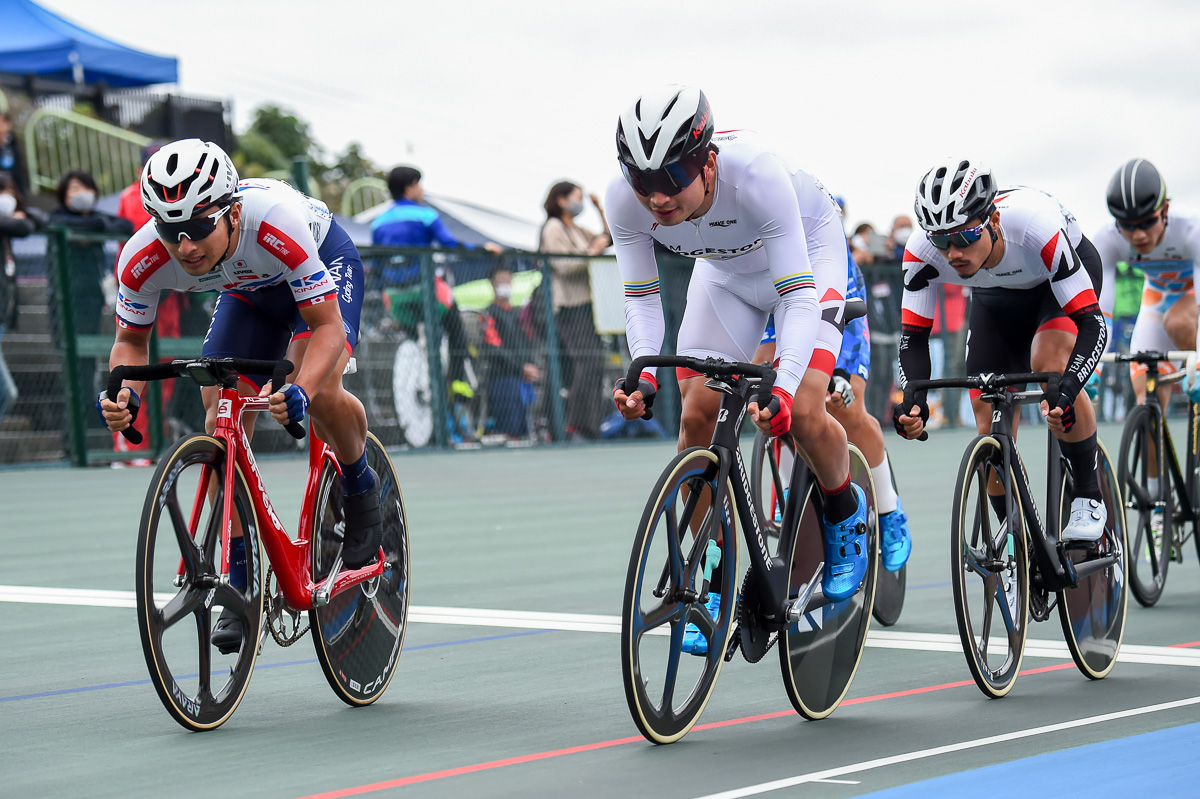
<point x="845" y="558"/>
<point x="896" y="543"/>
<point x="779" y="504"/>
<point x="694" y="642"/>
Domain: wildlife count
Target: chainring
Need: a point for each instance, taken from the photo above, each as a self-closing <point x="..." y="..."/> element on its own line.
<point x="287" y="626"/>
<point x="753" y="638"/>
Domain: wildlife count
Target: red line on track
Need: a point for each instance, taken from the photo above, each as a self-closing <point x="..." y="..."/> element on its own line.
<point x="574" y="750"/>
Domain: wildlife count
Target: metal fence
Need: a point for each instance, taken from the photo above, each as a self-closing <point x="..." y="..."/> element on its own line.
<point x="439" y="362"/>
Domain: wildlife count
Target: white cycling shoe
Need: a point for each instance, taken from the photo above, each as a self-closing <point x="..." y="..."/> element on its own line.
<point x="1088" y="517"/>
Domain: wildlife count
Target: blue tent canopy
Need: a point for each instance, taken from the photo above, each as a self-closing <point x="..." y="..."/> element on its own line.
<point x="35" y="41"/>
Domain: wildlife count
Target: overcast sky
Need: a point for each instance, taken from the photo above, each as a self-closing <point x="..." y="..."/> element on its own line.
<point x="494" y="102"/>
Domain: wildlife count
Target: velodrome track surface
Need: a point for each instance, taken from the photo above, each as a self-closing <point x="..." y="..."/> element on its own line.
<point x="510" y="685"/>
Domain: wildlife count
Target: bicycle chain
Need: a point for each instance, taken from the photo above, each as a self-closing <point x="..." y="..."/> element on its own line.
<point x="284" y="632"/>
<point x="754" y="641"/>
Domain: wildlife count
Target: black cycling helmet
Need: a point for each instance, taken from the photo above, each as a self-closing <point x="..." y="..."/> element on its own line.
<point x="1136" y="192"/>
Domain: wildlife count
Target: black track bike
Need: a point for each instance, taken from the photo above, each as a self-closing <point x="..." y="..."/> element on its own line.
<point x="701" y="498"/>
<point x="1007" y="568"/>
<point x="1161" y="503"/>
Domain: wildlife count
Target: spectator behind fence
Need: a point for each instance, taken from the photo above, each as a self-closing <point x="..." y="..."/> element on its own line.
<point x="860" y="244"/>
<point x="86" y="263"/>
<point x="10" y="154"/>
<point x="506" y="350"/>
<point x="572" y="295"/>
<point x="14" y="223"/>
<point x="902" y="227"/>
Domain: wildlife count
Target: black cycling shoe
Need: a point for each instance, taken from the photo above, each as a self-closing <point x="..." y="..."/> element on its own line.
<point x="227" y="632"/>
<point x="364" y="527"/>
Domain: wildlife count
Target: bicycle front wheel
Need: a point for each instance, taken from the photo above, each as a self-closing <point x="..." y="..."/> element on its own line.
<point x="359" y="634"/>
<point x="1093" y="613"/>
<point x="820" y="653"/>
<point x="1149" y="514"/>
<point x="890" y="586"/>
<point x="989" y="566"/>
<point x="666" y="689"/>
<point x="179" y="585"/>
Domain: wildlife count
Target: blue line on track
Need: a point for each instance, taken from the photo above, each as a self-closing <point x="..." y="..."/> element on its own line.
<point x="1159" y="764"/>
<point x="269" y="666"/>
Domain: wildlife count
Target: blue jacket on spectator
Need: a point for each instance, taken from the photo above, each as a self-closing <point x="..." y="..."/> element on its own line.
<point x="408" y="224"/>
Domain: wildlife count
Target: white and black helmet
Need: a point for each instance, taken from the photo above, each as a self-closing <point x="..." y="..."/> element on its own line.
<point x="1136" y="192"/>
<point x="663" y="139"/>
<point x="185" y="178"/>
<point x="953" y="193"/>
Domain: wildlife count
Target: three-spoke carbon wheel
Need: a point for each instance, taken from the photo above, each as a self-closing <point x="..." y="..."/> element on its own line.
<point x="1148" y="513"/>
<point x="666" y="689"/>
<point x="359" y="634"/>
<point x="180" y="591"/>
<point x="989" y="565"/>
<point x="820" y="653"/>
<point x="1093" y="612"/>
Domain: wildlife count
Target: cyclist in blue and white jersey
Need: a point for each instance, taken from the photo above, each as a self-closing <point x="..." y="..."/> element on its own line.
<point x="288" y="280"/>
<point x="1034" y="283"/>
<point x="848" y="383"/>
<point x="766" y="239"/>
<point x="1166" y="254"/>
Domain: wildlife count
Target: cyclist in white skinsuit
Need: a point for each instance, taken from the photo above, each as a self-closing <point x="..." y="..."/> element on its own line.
<point x="1165" y="250"/>
<point x="766" y="239"/>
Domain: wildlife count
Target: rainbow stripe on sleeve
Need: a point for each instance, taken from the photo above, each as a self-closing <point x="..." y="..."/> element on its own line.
<point x="641" y="289"/>
<point x="795" y="282"/>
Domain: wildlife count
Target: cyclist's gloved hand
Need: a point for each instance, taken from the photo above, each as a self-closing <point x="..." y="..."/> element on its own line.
<point x="293" y="407"/>
<point x="840" y="384"/>
<point x="1192" y="390"/>
<point x="1060" y="393"/>
<point x="899" y="410"/>
<point x="780" y="408"/>
<point x="132" y="403"/>
<point x="647" y="387"/>
<point x="1092" y="386"/>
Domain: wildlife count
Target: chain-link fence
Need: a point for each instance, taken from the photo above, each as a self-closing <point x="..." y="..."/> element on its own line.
<point x="444" y="359"/>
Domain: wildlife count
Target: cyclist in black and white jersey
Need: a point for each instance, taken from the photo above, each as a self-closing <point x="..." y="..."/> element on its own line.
<point x="765" y="238"/>
<point x="286" y="274"/>
<point x="1035" y="281"/>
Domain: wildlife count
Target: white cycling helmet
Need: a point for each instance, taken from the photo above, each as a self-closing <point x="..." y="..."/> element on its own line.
<point x="953" y="193"/>
<point x="663" y="139"/>
<point x="185" y="178"/>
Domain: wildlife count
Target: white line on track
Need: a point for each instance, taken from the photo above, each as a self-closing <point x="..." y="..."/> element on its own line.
<point x="581" y="622"/>
<point x="855" y="768"/>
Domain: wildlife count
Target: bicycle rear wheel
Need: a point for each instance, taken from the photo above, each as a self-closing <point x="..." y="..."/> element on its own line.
<point x="179" y="585"/>
<point x="360" y="633"/>
<point x="771" y="462"/>
<point x="989" y="565"/>
<point x="1093" y="613"/>
<point x="1149" y="552"/>
<point x="666" y="689"/>
<point x="819" y="654"/>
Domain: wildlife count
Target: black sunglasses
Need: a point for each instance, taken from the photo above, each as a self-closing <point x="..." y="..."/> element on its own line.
<point x="959" y="238"/>
<point x="669" y="180"/>
<point x="197" y="229"/>
<point x="1141" y="224"/>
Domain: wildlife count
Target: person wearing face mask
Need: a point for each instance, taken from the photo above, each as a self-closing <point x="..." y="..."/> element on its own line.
<point x="902" y="228"/>
<point x="14" y="223"/>
<point x="572" y="296"/>
<point x="506" y="348"/>
<point x="86" y="262"/>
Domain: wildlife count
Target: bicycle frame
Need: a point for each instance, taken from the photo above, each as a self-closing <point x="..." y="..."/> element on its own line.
<point x="291" y="558"/>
